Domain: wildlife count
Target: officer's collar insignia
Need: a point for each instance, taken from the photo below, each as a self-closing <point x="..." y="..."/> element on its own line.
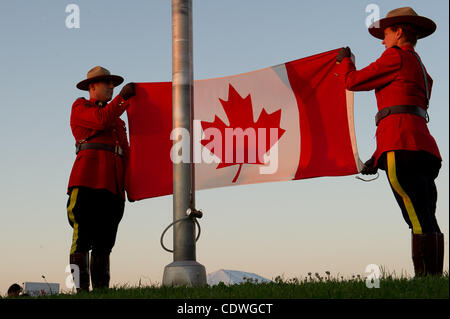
<point x="100" y="103"/>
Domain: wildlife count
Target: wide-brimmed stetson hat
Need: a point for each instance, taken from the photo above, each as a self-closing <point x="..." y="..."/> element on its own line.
<point x="405" y="15"/>
<point x="96" y="74"/>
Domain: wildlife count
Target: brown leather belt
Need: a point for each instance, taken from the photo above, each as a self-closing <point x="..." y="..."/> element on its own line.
<point x="98" y="146"/>
<point x="416" y="110"/>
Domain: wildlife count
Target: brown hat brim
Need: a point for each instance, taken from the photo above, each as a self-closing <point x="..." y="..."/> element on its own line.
<point x="84" y="85"/>
<point x="424" y="26"/>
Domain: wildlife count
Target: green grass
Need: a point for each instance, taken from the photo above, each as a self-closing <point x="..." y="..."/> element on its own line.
<point x="307" y="288"/>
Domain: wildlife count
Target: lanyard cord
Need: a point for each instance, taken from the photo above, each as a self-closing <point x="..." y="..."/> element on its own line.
<point x="195" y="214"/>
<point x="368" y="180"/>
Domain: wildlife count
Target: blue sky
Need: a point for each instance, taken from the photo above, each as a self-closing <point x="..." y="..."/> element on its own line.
<point x="290" y="228"/>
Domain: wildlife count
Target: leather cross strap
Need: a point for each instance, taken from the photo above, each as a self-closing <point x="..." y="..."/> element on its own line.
<point x="98" y="146"/>
<point x="427" y="92"/>
<point x="416" y="110"/>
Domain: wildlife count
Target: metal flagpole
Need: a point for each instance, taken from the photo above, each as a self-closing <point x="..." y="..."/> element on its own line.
<point x="184" y="270"/>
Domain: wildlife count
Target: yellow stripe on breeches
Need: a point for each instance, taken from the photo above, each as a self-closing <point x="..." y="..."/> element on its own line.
<point x="73" y="200"/>
<point x="392" y="175"/>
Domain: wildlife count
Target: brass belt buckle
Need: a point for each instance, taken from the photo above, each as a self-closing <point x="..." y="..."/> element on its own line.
<point x="118" y="150"/>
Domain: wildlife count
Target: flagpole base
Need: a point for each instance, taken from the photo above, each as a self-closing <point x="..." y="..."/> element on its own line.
<point x="184" y="273"/>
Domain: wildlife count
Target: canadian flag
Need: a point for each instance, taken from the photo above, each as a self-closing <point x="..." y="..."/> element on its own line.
<point x="286" y="122"/>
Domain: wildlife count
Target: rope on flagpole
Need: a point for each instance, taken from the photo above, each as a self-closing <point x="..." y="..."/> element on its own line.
<point x="190" y="214"/>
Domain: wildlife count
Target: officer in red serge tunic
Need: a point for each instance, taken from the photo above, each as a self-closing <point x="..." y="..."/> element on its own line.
<point x="405" y="148"/>
<point x="97" y="181"/>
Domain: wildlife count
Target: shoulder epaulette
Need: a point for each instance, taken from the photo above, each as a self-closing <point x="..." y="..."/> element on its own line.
<point x="81" y="100"/>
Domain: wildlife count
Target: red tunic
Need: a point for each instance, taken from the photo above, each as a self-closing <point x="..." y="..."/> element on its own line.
<point x="397" y="78"/>
<point x="99" y="169"/>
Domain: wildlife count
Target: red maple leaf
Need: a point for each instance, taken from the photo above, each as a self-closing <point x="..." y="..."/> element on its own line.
<point x="240" y="116"/>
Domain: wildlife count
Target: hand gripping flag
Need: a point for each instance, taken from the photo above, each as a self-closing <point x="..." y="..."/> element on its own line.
<point x="287" y="122"/>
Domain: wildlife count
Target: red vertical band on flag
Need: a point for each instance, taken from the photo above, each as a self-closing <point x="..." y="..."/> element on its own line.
<point x="149" y="115"/>
<point x="325" y="147"/>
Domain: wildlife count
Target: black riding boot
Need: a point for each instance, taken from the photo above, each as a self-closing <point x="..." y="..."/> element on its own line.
<point x="428" y="254"/>
<point x="82" y="261"/>
<point x="434" y="254"/>
<point x="100" y="271"/>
